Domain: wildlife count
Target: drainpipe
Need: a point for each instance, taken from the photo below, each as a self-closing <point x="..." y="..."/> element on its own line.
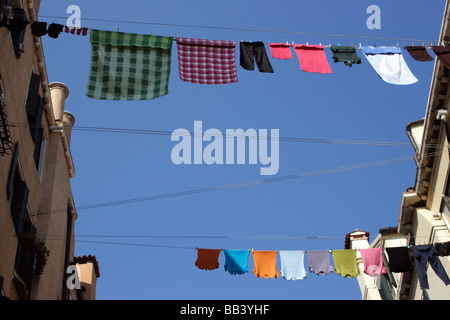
<point x="443" y="116"/>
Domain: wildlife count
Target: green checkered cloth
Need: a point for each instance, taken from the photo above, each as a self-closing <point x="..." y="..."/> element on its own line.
<point x="128" y="66"/>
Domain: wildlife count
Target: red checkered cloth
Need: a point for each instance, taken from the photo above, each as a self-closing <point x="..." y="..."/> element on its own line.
<point x="206" y="61"/>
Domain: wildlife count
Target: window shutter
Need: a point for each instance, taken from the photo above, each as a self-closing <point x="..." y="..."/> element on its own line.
<point x="35" y="125"/>
<point x="19" y="205"/>
<point x="12" y="170"/>
<point x="33" y="94"/>
<point x="34" y="107"/>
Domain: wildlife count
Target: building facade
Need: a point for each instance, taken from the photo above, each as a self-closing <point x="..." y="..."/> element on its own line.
<point x="37" y="210"/>
<point x="425" y="207"/>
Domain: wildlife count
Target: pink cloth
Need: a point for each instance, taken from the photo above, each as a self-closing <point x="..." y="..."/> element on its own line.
<point x="280" y="50"/>
<point x="373" y="261"/>
<point x="206" y="61"/>
<point x="312" y="58"/>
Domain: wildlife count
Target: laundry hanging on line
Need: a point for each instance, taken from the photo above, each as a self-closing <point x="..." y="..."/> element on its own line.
<point x="205" y="61"/>
<point x="280" y="50"/>
<point x="373" y="261"/>
<point x="419" y="53"/>
<point x="399" y="259"/>
<point x="443" y="54"/>
<point x="390" y="65"/>
<point x="265" y="264"/>
<point x="78" y="31"/>
<point x="312" y="58"/>
<point x="128" y="66"/>
<point x="254" y="51"/>
<point x="292" y="265"/>
<point x="346" y="54"/>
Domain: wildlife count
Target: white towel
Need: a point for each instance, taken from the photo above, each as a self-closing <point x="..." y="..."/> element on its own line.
<point x="390" y="65"/>
<point x="292" y="265"/>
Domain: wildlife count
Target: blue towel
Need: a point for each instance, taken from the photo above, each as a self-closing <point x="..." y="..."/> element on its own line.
<point x="236" y="261"/>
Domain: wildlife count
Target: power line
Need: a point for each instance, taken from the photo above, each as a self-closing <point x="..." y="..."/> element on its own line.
<point x="231" y="186"/>
<point x="239" y="29"/>
<point x="284" y="139"/>
<point x="64" y="238"/>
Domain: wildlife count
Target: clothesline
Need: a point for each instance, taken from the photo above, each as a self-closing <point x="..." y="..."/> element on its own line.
<point x="232" y="28"/>
<point x="399" y="259"/>
<point x="205" y="61"/>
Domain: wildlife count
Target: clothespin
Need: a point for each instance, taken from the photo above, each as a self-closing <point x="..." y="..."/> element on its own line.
<point x="412" y="43"/>
<point x="423" y="44"/>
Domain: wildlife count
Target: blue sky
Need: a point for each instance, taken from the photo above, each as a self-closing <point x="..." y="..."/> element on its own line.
<point x="152" y="255"/>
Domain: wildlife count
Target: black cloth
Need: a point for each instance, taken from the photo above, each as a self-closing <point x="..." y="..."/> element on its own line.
<point x="54" y="30"/>
<point x="443" y="54"/>
<point x="399" y="259"/>
<point x="427" y="254"/>
<point x="419" y="53"/>
<point x="346" y="54"/>
<point x="17" y="25"/>
<point x="443" y="248"/>
<point x="39" y="29"/>
<point x="256" y="51"/>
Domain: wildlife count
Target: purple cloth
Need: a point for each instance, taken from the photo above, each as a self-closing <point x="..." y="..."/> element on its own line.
<point x="319" y="262"/>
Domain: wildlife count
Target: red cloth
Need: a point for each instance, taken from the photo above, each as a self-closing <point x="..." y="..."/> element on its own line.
<point x="206" y="61"/>
<point x="207" y="259"/>
<point x="312" y="58"/>
<point x="280" y="50"/>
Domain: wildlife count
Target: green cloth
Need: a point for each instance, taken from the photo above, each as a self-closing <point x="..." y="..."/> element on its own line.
<point x="346" y="54"/>
<point x="128" y="66"/>
<point x="345" y="263"/>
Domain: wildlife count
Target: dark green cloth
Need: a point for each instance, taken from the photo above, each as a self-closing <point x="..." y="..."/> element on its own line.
<point x="346" y="54"/>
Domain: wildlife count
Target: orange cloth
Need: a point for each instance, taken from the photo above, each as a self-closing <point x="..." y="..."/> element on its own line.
<point x="265" y="264"/>
<point x="207" y="259"/>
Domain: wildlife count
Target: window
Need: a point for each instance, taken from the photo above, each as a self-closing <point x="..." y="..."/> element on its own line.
<point x="25" y="261"/>
<point x="34" y="107"/>
<point x="39" y="155"/>
<point x="17" y="193"/>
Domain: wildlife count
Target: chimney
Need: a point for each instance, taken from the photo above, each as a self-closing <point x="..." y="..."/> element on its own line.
<point x="59" y="93"/>
<point x="68" y="122"/>
<point x="368" y="285"/>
